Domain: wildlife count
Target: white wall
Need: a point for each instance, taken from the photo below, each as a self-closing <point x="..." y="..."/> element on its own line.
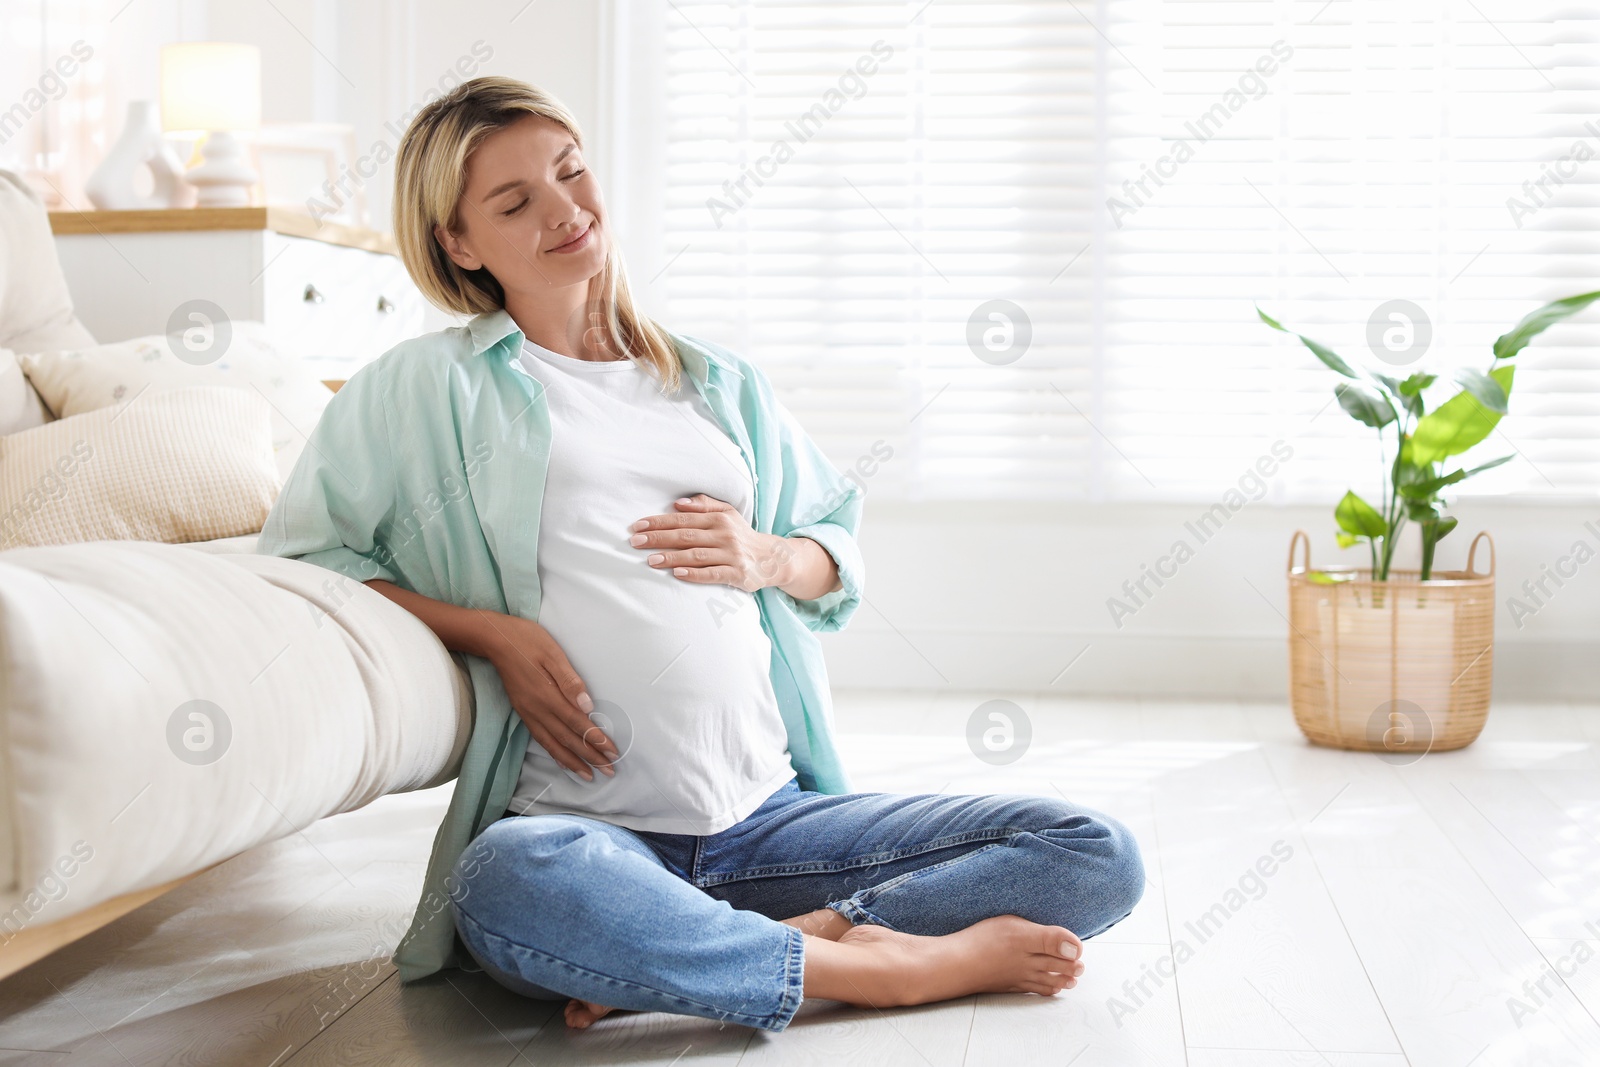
<point x="1004" y="596"/>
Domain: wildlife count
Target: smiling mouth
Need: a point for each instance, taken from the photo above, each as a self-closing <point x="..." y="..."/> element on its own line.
<point x="575" y="240"/>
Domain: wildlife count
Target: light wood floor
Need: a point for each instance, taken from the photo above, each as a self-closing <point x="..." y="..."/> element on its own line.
<point x="1414" y="905"/>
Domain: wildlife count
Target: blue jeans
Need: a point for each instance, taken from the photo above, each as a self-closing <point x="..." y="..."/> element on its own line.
<point x="556" y="906"/>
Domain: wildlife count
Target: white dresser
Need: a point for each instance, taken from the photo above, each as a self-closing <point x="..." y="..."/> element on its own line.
<point x="340" y="294"/>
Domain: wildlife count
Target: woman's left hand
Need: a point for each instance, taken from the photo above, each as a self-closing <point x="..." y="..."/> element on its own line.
<point x="707" y="541"/>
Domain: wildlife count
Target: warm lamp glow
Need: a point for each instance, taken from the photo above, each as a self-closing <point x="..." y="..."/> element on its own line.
<point x="209" y="86"/>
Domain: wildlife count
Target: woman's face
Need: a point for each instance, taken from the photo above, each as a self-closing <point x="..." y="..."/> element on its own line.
<point x="531" y="210"/>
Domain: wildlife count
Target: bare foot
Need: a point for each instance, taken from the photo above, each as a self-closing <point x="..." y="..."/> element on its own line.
<point x="873" y="966"/>
<point x="582" y="1014"/>
<point x="824" y="922"/>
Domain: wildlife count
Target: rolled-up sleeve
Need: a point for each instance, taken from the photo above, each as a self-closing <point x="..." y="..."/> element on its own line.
<point x="340" y="496"/>
<point x="831" y="610"/>
<point x="817" y="502"/>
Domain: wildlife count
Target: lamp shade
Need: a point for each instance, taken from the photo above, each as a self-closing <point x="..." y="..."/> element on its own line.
<point x="210" y="85"/>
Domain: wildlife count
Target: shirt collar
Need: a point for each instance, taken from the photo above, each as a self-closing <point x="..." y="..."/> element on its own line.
<point x="491" y="327"/>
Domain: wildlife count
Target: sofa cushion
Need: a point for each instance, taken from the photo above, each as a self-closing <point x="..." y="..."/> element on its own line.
<point x="35" y="308"/>
<point x="21" y="407"/>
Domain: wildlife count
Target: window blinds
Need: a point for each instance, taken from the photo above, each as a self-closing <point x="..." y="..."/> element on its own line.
<point x="1012" y="250"/>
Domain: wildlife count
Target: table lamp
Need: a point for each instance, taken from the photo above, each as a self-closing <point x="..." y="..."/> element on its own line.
<point x="214" y="88"/>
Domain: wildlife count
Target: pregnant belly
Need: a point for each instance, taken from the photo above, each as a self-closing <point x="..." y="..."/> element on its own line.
<point x="646" y="640"/>
<point x="679" y="674"/>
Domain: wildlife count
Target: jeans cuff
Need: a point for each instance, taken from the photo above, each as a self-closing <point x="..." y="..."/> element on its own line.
<point x="857" y="915"/>
<point x="794" y="981"/>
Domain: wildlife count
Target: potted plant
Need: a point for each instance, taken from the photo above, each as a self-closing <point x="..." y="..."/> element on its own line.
<point x="1386" y="659"/>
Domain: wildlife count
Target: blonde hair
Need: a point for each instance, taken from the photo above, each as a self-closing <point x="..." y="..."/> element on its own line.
<point x="430" y="177"/>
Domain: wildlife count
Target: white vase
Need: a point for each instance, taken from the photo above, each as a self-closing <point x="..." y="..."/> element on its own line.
<point x="111" y="185"/>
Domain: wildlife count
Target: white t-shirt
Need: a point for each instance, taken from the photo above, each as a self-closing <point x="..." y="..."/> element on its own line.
<point x="678" y="670"/>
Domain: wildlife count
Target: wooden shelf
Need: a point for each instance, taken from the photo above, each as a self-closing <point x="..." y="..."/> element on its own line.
<point x="173" y="220"/>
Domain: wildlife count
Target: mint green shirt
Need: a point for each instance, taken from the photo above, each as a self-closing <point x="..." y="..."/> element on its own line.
<point x="427" y="470"/>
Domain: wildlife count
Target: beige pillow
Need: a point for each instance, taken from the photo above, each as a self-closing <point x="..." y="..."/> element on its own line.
<point x="241" y="355"/>
<point x="179" y="465"/>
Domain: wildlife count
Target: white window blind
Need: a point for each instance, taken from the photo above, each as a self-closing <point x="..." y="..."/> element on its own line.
<point x="842" y="228"/>
<point x="1376" y="165"/>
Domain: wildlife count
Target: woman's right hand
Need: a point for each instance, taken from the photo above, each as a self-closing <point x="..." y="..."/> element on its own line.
<point x="544" y="689"/>
<point x="549" y="696"/>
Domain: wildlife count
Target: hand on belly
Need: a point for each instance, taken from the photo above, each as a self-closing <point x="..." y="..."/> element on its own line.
<point x="709" y="542"/>
<point x="550" y="697"/>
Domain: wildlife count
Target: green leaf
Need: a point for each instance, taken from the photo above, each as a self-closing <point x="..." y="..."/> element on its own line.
<point x="1425" y="488"/>
<point x="1324" y="578"/>
<point x="1270" y="321"/>
<point x="1485" y="388"/>
<point x="1408" y="474"/>
<point x="1442" y="527"/>
<point x="1365" y="405"/>
<point x="1345" y="540"/>
<point x="1395" y="388"/>
<point x="1321" y="351"/>
<point x="1391" y="384"/>
<point x="1327" y="355"/>
<point x="1485" y="466"/>
<point x="1456" y="425"/>
<point x="1356" y="516"/>
<point x="1536" y="322"/>
<point x="1414" y="385"/>
<point x="1421" y="511"/>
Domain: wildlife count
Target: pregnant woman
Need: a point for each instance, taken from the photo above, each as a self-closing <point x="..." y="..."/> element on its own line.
<point x="631" y="545"/>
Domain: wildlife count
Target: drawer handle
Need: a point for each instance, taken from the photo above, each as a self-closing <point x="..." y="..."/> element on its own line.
<point x="385" y="305"/>
<point x="313" y="295"/>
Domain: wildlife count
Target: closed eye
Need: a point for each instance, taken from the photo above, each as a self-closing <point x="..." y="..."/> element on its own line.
<point x="524" y="203"/>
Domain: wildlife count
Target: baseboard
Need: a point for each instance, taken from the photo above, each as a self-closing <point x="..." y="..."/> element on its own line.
<point x="1150" y="665"/>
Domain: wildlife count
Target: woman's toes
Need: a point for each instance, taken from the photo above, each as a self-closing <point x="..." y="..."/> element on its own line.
<point x="1052" y="967"/>
<point x="1064" y="968"/>
<point x="1063" y="980"/>
<point x="582" y="1014"/>
<point x="1063" y="942"/>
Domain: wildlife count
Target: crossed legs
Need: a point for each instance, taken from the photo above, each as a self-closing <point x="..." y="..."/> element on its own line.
<point x="914" y="899"/>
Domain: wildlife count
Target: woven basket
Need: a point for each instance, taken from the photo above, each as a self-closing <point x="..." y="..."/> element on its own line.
<point x="1402" y="666"/>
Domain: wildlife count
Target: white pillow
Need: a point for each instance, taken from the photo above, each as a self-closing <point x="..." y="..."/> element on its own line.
<point x="240" y="355"/>
<point x="35" y="307"/>
<point x="177" y="465"/>
<point x="20" y="405"/>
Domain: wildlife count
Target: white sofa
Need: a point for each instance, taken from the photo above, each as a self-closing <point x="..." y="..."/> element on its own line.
<point x="163" y="709"/>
